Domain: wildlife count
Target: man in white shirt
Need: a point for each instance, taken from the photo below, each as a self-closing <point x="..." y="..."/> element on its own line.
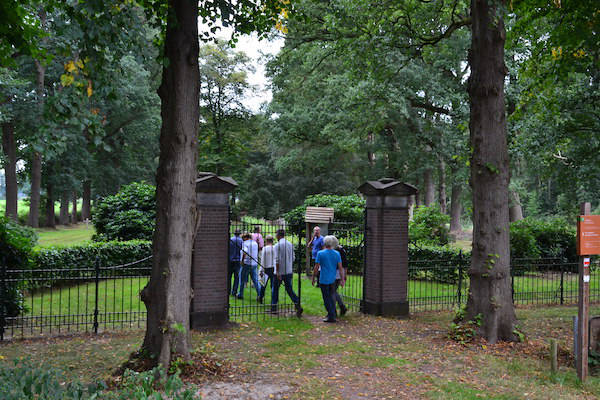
<point x="249" y="256"/>
<point x="284" y="263"/>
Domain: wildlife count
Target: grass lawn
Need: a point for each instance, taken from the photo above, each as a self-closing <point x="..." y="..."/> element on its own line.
<point x="360" y="357"/>
<point x="65" y="235"/>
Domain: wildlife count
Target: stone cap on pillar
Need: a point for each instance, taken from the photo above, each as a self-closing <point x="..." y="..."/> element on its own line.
<point x="208" y="182"/>
<point x="387" y="193"/>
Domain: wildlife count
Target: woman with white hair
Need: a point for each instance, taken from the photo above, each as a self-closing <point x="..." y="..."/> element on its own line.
<point x="329" y="261"/>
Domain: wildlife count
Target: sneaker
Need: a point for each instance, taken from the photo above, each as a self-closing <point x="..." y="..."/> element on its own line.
<point x="240" y="297"/>
<point x="329" y="320"/>
<point x="260" y="299"/>
<point x="343" y="311"/>
<point x="299" y="311"/>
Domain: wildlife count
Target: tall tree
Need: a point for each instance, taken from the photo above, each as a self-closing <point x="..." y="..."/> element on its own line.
<point x="490" y="285"/>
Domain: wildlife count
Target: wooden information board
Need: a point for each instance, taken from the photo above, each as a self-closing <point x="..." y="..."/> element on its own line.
<point x="588" y="235"/>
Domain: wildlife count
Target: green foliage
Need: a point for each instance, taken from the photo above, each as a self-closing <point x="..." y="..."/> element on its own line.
<point x="462" y="331"/>
<point x="545" y="238"/>
<point x="16" y="243"/>
<point x="129" y="214"/>
<point x="85" y="256"/>
<point x="438" y="263"/>
<point x="346" y="208"/>
<point x="429" y="226"/>
<point x="25" y="381"/>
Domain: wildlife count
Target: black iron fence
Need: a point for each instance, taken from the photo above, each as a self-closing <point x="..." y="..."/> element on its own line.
<point x="93" y="298"/>
<point x="443" y="285"/>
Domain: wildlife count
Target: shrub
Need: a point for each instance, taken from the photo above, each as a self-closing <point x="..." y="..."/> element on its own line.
<point x="25" y="381"/>
<point x="73" y="258"/>
<point x="437" y="263"/>
<point x="429" y="226"/>
<point x="16" y="243"/>
<point x="127" y="215"/>
<point x="551" y="238"/>
<point x="347" y="208"/>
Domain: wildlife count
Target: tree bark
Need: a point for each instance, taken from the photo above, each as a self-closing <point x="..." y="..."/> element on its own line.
<point x="455" y="208"/>
<point x="10" y="170"/>
<point x="490" y="285"/>
<point x="168" y="293"/>
<point x="86" y="206"/>
<point x="50" y="223"/>
<point x="74" y="209"/>
<point x="442" y="187"/>
<point x="36" y="162"/>
<point x="429" y="188"/>
<point x="515" y="210"/>
<point x="63" y="217"/>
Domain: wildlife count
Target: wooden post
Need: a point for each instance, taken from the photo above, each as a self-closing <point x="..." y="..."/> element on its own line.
<point x="582" y="338"/>
<point x="553" y="356"/>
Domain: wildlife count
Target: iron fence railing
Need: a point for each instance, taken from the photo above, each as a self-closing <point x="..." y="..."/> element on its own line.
<point x="49" y="301"/>
<point x="443" y="285"/>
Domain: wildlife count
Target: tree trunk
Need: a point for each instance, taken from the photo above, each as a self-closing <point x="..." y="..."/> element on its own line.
<point x="455" y="208"/>
<point x="429" y="188"/>
<point x="63" y="217"/>
<point x="36" y="183"/>
<point x="515" y="210"/>
<point x="442" y="187"/>
<point x="168" y="293"/>
<point x="490" y="290"/>
<point x="86" y="206"/>
<point x="74" y="209"/>
<point x="50" y="223"/>
<point x="418" y="197"/>
<point x="10" y="169"/>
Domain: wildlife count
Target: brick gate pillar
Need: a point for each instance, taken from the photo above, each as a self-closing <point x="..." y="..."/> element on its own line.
<point x="210" y="256"/>
<point x="386" y="268"/>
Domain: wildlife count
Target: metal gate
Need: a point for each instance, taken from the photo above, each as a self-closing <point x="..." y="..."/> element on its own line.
<point x="258" y="294"/>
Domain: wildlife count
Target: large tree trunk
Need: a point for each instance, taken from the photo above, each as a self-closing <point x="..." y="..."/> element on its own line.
<point x="86" y="206"/>
<point x="10" y="169"/>
<point x="50" y="223"/>
<point x="515" y="210"/>
<point x="455" y="208"/>
<point x="36" y="183"/>
<point x="490" y="286"/>
<point x="168" y="293"/>
<point x="429" y="188"/>
<point x="442" y="187"/>
<point x="74" y="209"/>
<point x="63" y="217"/>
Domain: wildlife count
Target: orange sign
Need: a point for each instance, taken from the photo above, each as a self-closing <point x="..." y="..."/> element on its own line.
<point x="588" y="235"/>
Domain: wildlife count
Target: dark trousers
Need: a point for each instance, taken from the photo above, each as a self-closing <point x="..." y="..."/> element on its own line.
<point x="287" y="282"/>
<point x="338" y="298"/>
<point x="233" y="270"/>
<point x="270" y="277"/>
<point x="328" y="292"/>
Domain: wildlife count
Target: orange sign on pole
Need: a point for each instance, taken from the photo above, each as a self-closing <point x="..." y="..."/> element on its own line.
<point x="588" y="235"/>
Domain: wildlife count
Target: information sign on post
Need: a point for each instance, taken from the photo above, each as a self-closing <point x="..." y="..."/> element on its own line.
<point x="588" y="243"/>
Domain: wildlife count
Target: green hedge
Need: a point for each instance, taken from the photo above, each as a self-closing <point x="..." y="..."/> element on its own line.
<point x="72" y="259"/>
<point x="437" y="263"/>
<point x="549" y="238"/>
<point x="346" y="208"/>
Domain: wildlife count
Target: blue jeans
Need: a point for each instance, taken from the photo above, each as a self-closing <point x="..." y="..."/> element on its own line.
<point x="270" y="277"/>
<point x="287" y="282"/>
<point x="233" y="271"/>
<point x="244" y="272"/>
<point x="328" y="293"/>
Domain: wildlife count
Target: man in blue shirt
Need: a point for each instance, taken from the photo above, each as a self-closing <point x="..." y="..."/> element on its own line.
<point x="235" y="247"/>
<point x="316" y="242"/>
<point x="329" y="261"/>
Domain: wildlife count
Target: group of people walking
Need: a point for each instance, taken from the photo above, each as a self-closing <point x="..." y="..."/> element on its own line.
<point x="330" y="266"/>
<point x="277" y="263"/>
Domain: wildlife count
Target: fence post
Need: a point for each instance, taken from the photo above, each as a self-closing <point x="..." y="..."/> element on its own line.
<point x="3" y="297"/>
<point x="460" y="274"/>
<point x="512" y="282"/>
<point x="97" y="282"/>
<point x="562" y="281"/>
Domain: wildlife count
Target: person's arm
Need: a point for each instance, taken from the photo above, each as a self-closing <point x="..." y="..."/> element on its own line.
<point x="342" y="274"/>
<point x="315" y="271"/>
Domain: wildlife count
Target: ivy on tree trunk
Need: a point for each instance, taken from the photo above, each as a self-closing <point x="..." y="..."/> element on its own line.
<point x="168" y="293"/>
<point x="490" y="286"/>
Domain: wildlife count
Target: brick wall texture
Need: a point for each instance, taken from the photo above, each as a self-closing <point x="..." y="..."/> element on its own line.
<point x="386" y="270"/>
<point x="209" y="266"/>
